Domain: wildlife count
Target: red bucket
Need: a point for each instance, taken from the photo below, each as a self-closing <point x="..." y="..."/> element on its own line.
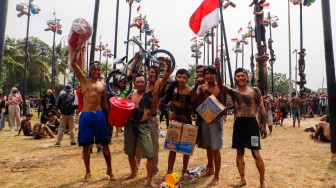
<point x="120" y="110"/>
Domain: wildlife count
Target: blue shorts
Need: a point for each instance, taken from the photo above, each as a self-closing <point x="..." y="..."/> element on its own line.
<point x="92" y="128"/>
<point x="212" y="134"/>
<point x="296" y="113"/>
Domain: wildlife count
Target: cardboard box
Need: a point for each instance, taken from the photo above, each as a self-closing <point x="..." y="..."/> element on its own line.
<point x="173" y="136"/>
<point x="210" y="109"/>
<point x="181" y="137"/>
<point x="188" y="139"/>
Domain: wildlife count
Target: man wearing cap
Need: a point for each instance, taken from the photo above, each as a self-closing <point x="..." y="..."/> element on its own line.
<point x="93" y="119"/>
<point x="65" y="104"/>
<point x="246" y="131"/>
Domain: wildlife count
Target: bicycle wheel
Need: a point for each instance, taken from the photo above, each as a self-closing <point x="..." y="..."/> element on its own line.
<point x="119" y="84"/>
<point x="164" y="53"/>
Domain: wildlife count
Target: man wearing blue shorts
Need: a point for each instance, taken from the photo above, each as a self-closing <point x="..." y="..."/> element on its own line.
<point x="92" y="123"/>
<point x="295" y="105"/>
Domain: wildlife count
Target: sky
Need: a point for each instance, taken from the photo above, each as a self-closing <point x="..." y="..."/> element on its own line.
<point x="170" y="19"/>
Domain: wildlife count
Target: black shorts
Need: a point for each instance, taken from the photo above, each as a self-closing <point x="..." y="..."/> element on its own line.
<point x="246" y="133"/>
<point x="283" y="111"/>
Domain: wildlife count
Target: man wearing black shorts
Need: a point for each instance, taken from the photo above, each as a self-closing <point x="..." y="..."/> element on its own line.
<point x="246" y="131"/>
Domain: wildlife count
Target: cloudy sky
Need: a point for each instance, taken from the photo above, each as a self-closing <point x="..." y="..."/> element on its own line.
<point x="170" y="19"/>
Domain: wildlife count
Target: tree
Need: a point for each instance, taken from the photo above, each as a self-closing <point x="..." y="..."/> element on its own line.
<point x="281" y="83"/>
<point x="192" y="73"/>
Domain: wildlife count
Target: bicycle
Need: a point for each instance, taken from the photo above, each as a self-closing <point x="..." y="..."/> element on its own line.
<point x="119" y="82"/>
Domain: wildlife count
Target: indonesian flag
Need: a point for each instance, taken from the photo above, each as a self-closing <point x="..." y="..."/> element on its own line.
<point x="54" y="13"/>
<point x="240" y="31"/>
<point x="106" y="44"/>
<point x="249" y="24"/>
<point x="193" y="39"/>
<point x="100" y="37"/>
<point x="234" y="40"/>
<point x="139" y="10"/>
<point x="205" y="17"/>
<point x="266" y="5"/>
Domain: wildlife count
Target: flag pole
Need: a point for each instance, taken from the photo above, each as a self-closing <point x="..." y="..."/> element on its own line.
<point x="225" y="40"/>
<point x="3" y="21"/>
<point x="116" y="34"/>
<point x="212" y="46"/>
<point x="330" y="71"/>
<point x="128" y="27"/>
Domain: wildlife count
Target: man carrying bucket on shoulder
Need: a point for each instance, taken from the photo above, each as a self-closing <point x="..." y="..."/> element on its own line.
<point x="93" y="119"/>
<point x="154" y="122"/>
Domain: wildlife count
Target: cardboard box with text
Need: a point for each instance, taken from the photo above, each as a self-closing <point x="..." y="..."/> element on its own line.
<point x="210" y="109"/>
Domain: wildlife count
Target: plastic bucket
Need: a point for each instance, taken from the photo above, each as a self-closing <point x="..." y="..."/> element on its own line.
<point x="120" y="110"/>
<point x="172" y="179"/>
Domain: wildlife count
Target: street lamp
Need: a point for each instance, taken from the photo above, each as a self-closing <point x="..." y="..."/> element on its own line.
<point x="195" y="49"/>
<point x="108" y="54"/>
<point x="295" y="52"/>
<point x="272" y="23"/>
<point x="42" y="53"/>
<point x="25" y="9"/>
<point x="55" y="27"/>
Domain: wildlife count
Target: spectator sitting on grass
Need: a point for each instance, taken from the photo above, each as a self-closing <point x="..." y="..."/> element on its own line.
<point x="53" y="121"/>
<point x="41" y="129"/>
<point x="322" y="131"/>
<point x="26" y="126"/>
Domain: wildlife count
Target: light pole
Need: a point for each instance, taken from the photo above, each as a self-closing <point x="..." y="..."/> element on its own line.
<point x="26" y="9"/>
<point x="42" y="53"/>
<point x="273" y="24"/>
<point x="108" y="54"/>
<point x="55" y="27"/>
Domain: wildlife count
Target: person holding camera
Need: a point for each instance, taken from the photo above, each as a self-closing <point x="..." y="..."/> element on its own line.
<point x="48" y="102"/>
<point x="14" y="100"/>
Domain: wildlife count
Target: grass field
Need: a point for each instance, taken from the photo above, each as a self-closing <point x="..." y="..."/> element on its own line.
<point x="291" y="159"/>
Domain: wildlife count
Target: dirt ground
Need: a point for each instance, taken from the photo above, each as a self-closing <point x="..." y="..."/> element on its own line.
<point x="291" y="159"/>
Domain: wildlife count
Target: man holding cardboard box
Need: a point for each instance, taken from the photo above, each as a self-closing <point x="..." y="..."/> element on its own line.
<point x="246" y="131"/>
<point x="179" y="95"/>
<point x="212" y="123"/>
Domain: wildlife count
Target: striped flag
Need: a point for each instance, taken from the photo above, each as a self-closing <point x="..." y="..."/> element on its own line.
<point x="249" y="24"/>
<point x="234" y="40"/>
<point x="193" y="39"/>
<point x="139" y="10"/>
<point x="240" y="31"/>
<point x="205" y="17"/>
<point x="266" y="5"/>
<point x="54" y="13"/>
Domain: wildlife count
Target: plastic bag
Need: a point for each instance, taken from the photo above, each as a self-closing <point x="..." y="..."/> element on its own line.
<point x="80" y="32"/>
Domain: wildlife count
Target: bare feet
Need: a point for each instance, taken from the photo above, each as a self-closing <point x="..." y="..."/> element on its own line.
<point x="112" y="178"/>
<point x="86" y="178"/>
<point x="213" y="182"/>
<point x="151" y="184"/>
<point x="184" y="176"/>
<point x="208" y="172"/>
<point x="131" y="176"/>
<point x="240" y="184"/>
<point x="262" y="184"/>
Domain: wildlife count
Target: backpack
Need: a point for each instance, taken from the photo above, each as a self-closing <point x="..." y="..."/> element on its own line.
<point x="66" y="104"/>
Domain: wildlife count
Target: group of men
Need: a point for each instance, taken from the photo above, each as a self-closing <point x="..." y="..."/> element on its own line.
<point x="141" y="138"/>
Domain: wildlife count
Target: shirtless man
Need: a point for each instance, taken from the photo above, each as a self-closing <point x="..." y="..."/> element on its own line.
<point x="282" y="106"/>
<point x="154" y="121"/>
<point x="179" y="95"/>
<point x="295" y="101"/>
<point x="93" y="119"/>
<point x="322" y="130"/>
<point x="268" y="107"/>
<point x="26" y="126"/>
<point x="246" y="131"/>
<point x="41" y="129"/>
<point x="304" y="105"/>
<point x="137" y="129"/>
<point x="212" y="133"/>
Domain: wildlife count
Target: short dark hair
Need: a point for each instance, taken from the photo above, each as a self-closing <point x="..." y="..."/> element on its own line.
<point x="199" y="67"/>
<point x="210" y="69"/>
<point x="44" y="119"/>
<point x="183" y="71"/>
<point x="53" y="111"/>
<point x="240" y="70"/>
<point x="139" y="75"/>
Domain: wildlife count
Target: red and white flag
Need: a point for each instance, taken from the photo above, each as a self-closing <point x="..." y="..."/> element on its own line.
<point x="240" y="31"/>
<point x="100" y="37"/>
<point x="54" y="13"/>
<point x="193" y="39"/>
<point x="234" y="40"/>
<point x="106" y="44"/>
<point x="205" y="17"/>
<point x="139" y="10"/>
<point x="249" y="24"/>
<point x="266" y="5"/>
